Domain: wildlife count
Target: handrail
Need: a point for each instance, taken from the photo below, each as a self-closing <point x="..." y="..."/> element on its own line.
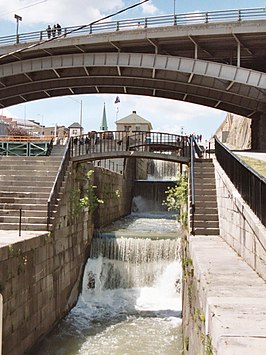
<point x="58" y="182"/>
<point x="192" y="183"/>
<point x="190" y="18"/>
<point x="250" y="184"/>
<point x="120" y="141"/>
<point x="25" y="138"/>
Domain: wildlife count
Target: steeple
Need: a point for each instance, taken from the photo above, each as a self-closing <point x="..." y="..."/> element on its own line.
<point x="104" y="121"/>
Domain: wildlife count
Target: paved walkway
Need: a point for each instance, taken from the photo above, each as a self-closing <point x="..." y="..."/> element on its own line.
<point x="11" y="236"/>
<point x="233" y="296"/>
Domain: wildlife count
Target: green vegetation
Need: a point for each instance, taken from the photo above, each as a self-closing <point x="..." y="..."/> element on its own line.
<point x="176" y="199"/>
<point x="258" y="165"/>
<point x="87" y="198"/>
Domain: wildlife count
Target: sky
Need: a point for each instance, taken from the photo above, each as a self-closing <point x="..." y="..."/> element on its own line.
<point x="165" y="115"/>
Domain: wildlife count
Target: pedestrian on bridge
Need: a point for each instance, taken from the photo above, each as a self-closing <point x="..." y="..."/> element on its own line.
<point x="59" y="29"/>
<point x="54" y="31"/>
<point x="49" y="31"/>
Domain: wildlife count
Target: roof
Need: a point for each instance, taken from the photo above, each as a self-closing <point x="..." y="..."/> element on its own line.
<point x="75" y="125"/>
<point x="134" y="119"/>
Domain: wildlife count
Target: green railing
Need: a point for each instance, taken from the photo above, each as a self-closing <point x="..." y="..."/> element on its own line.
<point x="24" y="148"/>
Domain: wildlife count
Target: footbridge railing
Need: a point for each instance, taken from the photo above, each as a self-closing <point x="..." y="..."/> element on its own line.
<point x="116" y="144"/>
<point x="250" y="184"/>
<point x="191" y="18"/>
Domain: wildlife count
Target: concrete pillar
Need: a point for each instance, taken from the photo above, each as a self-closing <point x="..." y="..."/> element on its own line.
<point x="258" y="133"/>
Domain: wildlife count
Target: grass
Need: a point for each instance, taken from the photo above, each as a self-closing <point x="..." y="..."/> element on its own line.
<point x="258" y="165"/>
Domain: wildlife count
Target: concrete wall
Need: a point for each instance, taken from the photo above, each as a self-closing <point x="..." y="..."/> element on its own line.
<point x="224" y="281"/>
<point x="116" y="191"/>
<point x="40" y="276"/>
<point x="239" y="226"/>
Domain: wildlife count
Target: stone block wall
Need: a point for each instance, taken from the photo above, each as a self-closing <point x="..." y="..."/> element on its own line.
<point x="239" y="226"/>
<point x="40" y="276"/>
<point x="116" y="191"/>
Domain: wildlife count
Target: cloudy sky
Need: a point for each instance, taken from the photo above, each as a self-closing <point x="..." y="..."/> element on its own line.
<point x="165" y="115"/>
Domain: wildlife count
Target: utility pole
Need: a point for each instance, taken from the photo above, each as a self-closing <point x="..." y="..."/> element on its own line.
<point x="18" y="18"/>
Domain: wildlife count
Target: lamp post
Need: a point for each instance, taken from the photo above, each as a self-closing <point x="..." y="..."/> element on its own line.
<point x="174" y="14"/>
<point x="18" y="18"/>
<point x="81" y="111"/>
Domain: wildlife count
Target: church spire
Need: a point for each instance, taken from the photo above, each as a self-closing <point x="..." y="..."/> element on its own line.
<point x="104" y="121"/>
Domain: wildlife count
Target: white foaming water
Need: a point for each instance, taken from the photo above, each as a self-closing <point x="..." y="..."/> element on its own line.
<point x="130" y="301"/>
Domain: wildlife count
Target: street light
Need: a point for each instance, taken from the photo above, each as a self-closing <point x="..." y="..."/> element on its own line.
<point x="81" y="109"/>
<point x="18" y="18"/>
<point x="174" y="14"/>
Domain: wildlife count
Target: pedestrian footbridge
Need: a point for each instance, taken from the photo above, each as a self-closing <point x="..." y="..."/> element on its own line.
<point x="138" y="144"/>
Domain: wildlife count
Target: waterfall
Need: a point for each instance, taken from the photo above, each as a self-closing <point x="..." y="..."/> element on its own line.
<point x="162" y="170"/>
<point x="128" y="262"/>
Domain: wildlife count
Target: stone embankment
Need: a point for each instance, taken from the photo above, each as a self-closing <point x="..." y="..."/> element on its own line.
<point x="40" y="272"/>
<point x="224" y="277"/>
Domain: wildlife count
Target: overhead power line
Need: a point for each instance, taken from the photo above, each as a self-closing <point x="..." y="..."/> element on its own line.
<point x="73" y="30"/>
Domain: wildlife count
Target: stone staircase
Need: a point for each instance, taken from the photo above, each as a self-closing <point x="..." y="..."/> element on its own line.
<point x="26" y="183"/>
<point x="206" y="221"/>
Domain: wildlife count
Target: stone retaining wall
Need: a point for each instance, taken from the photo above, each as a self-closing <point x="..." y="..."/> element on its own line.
<point x="239" y="226"/>
<point x="40" y="276"/>
<point x="223" y="298"/>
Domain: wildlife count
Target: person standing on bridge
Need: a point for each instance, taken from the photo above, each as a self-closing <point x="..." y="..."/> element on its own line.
<point x="54" y="31"/>
<point x="59" y="29"/>
<point x="49" y="31"/>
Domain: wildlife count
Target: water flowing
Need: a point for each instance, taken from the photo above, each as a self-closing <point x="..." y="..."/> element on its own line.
<point x="130" y="301"/>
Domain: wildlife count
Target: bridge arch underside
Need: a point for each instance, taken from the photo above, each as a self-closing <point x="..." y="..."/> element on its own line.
<point x="225" y="87"/>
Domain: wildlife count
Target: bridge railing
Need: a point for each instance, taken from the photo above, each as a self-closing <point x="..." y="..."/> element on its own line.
<point x="52" y="200"/>
<point x="143" y="22"/>
<point x="250" y="184"/>
<point x="121" y="141"/>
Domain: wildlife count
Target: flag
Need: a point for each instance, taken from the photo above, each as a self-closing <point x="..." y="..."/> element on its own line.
<point x="117" y="100"/>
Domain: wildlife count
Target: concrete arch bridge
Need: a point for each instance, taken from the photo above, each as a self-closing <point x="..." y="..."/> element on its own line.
<point x="215" y="59"/>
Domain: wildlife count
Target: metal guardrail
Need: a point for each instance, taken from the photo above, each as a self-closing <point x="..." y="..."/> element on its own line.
<point x="192" y="183"/>
<point x="191" y="18"/>
<point x="250" y="184"/>
<point x="52" y="200"/>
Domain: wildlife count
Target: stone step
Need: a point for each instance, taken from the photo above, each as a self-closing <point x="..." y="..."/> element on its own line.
<point x="25" y="213"/>
<point x="206" y="231"/>
<point x="203" y="205"/>
<point x="4" y="158"/>
<point x="19" y="194"/>
<point x="18" y="200"/>
<point x="25" y="189"/>
<point x="204" y="180"/>
<point x="24" y="185"/>
<point x="27" y="175"/>
<point x="206" y="224"/>
<point x="203" y="187"/>
<point x="28" y="178"/>
<point x="205" y="197"/>
<point x="24" y="206"/>
<point x="24" y="219"/>
<point x="25" y="227"/>
<point x="28" y="168"/>
<point x="206" y="217"/>
<point x="26" y="163"/>
<point x="208" y="210"/>
<point x="204" y="174"/>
